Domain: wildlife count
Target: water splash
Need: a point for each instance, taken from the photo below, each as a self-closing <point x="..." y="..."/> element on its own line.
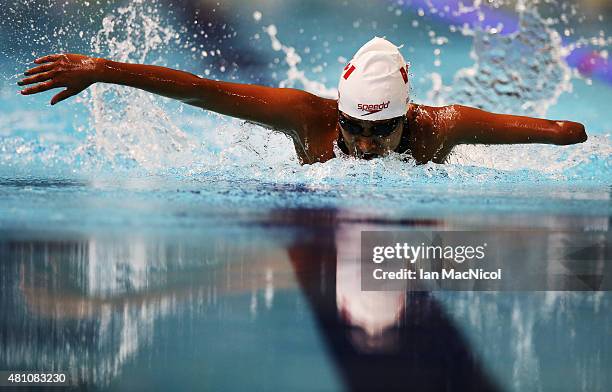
<point x="522" y="73"/>
<point x="129" y="124"/>
<point x="295" y="76"/>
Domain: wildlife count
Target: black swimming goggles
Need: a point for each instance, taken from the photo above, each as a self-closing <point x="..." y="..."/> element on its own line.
<point x="379" y="129"/>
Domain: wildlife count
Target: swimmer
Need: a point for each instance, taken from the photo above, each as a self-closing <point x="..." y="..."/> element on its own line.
<point x="372" y="117"/>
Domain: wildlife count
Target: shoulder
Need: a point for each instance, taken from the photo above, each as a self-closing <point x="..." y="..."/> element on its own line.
<point x="431" y="130"/>
<point x="319" y="109"/>
<point x="438" y="121"/>
<point x="316" y="130"/>
<point x="435" y="115"/>
<point x="318" y="115"/>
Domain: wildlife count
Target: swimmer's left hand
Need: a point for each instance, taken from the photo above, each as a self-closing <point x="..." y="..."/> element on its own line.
<point x="571" y="133"/>
<point x="73" y="71"/>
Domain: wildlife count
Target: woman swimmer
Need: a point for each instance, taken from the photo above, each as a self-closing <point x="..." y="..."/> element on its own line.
<point x="371" y="117"/>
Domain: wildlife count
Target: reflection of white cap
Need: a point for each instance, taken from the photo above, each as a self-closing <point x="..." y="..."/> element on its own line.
<point x="374" y="311"/>
<point x="374" y="84"/>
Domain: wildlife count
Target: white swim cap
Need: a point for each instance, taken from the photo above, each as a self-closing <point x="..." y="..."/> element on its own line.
<point x="374" y="84"/>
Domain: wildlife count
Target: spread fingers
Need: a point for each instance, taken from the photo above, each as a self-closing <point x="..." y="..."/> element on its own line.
<point x="41" y="77"/>
<point x="41" y="68"/>
<point x="47" y="59"/>
<point x="39" y="88"/>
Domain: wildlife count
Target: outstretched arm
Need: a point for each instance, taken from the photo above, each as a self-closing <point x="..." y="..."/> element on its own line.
<point x="475" y="126"/>
<point x="278" y="108"/>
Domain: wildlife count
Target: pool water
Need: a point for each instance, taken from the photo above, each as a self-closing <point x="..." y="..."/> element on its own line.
<point x="149" y="245"/>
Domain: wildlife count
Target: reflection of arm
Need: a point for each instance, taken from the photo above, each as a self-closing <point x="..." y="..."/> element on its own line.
<point x="475" y="126"/>
<point x="231" y="279"/>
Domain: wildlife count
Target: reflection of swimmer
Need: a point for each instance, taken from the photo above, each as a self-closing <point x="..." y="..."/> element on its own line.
<point x="371" y="118"/>
<point x="386" y="341"/>
<point x="380" y="341"/>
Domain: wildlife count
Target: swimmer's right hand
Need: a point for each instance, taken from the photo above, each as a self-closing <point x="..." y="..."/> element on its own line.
<point x="75" y="72"/>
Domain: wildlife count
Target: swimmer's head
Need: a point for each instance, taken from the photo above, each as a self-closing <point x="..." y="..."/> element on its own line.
<point x="373" y="96"/>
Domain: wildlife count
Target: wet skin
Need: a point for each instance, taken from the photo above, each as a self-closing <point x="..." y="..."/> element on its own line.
<point x="310" y="121"/>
